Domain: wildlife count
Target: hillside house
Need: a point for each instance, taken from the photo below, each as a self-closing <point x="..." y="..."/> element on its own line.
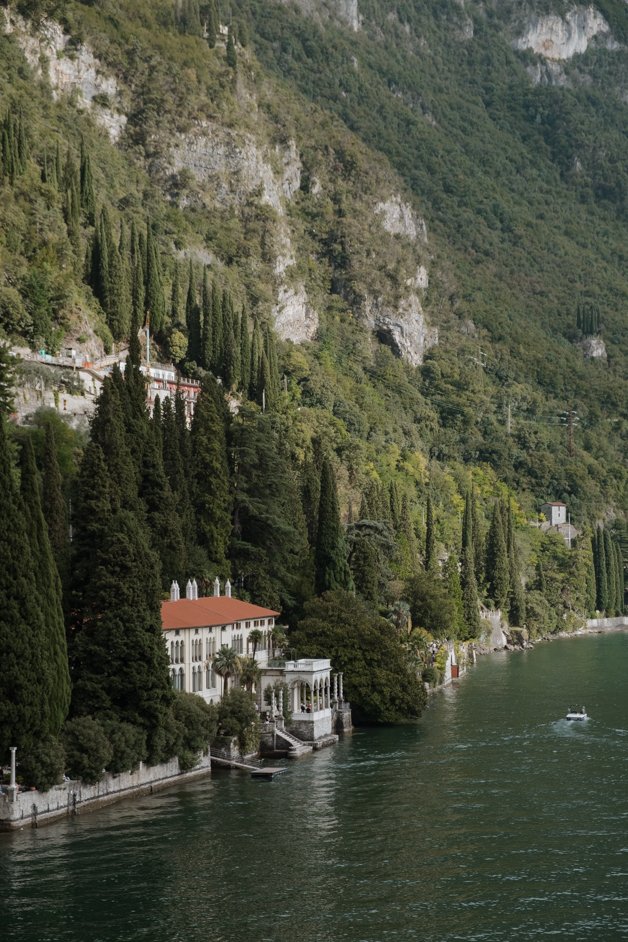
<point x="555" y="512"/>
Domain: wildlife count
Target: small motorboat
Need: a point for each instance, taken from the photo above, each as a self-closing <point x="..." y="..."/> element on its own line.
<point x="576" y="714"/>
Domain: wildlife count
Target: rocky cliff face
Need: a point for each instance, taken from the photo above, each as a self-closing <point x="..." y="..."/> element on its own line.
<point x="346" y="11"/>
<point x="558" y="38"/>
<point x="69" y="69"/>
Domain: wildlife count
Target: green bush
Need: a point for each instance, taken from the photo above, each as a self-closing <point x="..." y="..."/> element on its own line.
<point x="238" y="719"/>
<point x="128" y="744"/>
<point x="43" y="765"/>
<point x="431" y="676"/>
<point x="198" y="721"/>
<point x="87" y="748"/>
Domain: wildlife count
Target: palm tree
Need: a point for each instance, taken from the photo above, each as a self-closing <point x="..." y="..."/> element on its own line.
<point x="249" y="673"/>
<point x="278" y="638"/>
<point x="255" y="637"/>
<point x="226" y="664"/>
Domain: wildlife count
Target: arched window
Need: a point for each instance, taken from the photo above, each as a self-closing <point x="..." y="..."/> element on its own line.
<point x="181" y="679"/>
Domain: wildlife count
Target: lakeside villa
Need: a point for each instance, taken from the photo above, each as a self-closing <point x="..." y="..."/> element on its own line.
<point x="195" y="629"/>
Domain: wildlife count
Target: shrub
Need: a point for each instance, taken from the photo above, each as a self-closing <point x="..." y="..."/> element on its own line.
<point x="237" y="718"/>
<point x="128" y="744"/>
<point x="198" y="721"/>
<point x="43" y="765"/>
<point x="88" y="751"/>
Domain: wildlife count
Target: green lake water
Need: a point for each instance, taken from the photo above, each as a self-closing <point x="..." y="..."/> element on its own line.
<point x="491" y="819"/>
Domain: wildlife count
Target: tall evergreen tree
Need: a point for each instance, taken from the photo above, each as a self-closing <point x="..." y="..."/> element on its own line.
<point x="330" y="558"/>
<point x="497" y="568"/>
<point x="24" y="712"/>
<point x="54" y="678"/>
<point x="192" y="319"/>
<point x="232" y="56"/>
<point x="120" y="666"/>
<point x="207" y="346"/>
<point x="451" y="577"/>
<point x="611" y="572"/>
<point x="430" y="538"/>
<point x="516" y="595"/>
<point x="54" y="502"/>
<point x="245" y="352"/>
<point x="7" y="380"/>
<point x="601" y="572"/>
<point x="467" y="575"/>
<point x="87" y="198"/>
<point x="211" y="498"/>
<point x="217" y="329"/>
<point x="269" y="543"/>
<point x="154" y="302"/>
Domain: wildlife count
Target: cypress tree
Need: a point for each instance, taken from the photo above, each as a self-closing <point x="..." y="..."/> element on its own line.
<point x="601" y="573"/>
<point x="138" y="292"/>
<point x="175" y="468"/>
<point x="119" y="298"/>
<point x="87" y="198"/>
<point x="430" y="538"/>
<point x="311" y="492"/>
<point x="217" y="329"/>
<point x="270" y="349"/>
<point x="516" y="596"/>
<point x="330" y="558"/>
<point x="24" y="713"/>
<point x="207" y="348"/>
<point x="109" y="431"/>
<point x="232" y="57"/>
<point x="46" y="587"/>
<point x="192" y="320"/>
<point x="620" y="603"/>
<point x="451" y="577"/>
<point x="54" y="503"/>
<point x="467" y="575"/>
<point x="245" y="352"/>
<point x="154" y="303"/>
<point x="497" y="569"/>
<point x="611" y="572"/>
<point x="269" y="544"/>
<point x="478" y="541"/>
<point x="212" y="23"/>
<point x="120" y="665"/>
<point x="365" y="569"/>
<point x="229" y="373"/>
<point x="163" y="522"/>
<point x="210" y="475"/>
<point x="175" y="296"/>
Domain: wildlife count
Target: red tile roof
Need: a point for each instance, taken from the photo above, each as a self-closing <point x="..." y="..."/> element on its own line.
<point x="209" y="611"/>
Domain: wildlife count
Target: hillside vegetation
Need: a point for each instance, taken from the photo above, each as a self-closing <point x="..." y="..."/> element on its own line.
<point x="365" y="192"/>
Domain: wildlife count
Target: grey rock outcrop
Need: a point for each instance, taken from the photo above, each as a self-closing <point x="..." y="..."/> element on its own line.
<point x="557" y="38"/>
<point x="68" y="69"/>
<point x="593" y="348"/>
<point x="402" y="326"/>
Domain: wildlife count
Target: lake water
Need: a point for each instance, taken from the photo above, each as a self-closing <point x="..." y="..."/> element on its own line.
<point x="492" y="819"/>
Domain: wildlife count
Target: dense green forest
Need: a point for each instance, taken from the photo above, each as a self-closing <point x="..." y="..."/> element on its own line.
<point x="332" y="469"/>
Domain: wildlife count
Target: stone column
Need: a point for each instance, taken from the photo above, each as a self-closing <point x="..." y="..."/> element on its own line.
<point x="336" y="687"/>
<point x="13" y="751"/>
<point x="281" y="700"/>
<point x="342" y="693"/>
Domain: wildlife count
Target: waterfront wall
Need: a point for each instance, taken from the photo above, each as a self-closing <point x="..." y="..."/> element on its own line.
<point x="30" y="808"/>
<point x="620" y="622"/>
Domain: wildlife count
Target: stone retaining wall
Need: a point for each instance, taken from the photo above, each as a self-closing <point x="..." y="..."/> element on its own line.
<point x="31" y="808"/>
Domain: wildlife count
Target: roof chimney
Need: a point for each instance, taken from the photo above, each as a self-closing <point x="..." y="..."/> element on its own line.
<point x="189" y="591"/>
<point x="194" y="589"/>
<point x="228" y="589"/>
<point x="175" y="594"/>
<point x="216" y="586"/>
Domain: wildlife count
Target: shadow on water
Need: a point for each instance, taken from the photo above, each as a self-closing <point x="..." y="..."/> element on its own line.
<point x="493" y="818"/>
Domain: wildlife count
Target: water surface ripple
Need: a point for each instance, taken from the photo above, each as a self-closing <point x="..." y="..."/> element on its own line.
<point x="492" y="819"/>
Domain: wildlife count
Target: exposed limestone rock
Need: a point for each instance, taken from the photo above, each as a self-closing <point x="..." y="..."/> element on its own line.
<point x="403" y="327"/>
<point x="420" y="281"/>
<point x="68" y="69"/>
<point x="593" y="348"/>
<point x="398" y="218"/>
<point x="347" y="11"/>
<point x="235" y="166"/>
<point x="295" y="318"/>
<point x="556" y="38"/>
<point x="547" y="73"/>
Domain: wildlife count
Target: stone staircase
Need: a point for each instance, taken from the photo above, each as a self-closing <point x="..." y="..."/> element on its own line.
<point x="296" y="747"/>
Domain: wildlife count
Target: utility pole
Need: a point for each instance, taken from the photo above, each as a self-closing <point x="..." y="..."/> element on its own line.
<point x="569" y="419"/>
